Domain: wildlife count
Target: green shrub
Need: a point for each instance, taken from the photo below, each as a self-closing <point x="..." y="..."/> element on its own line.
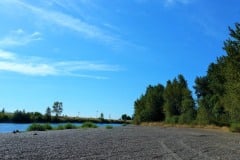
<point x="109" y="127"/>
<point x="60" y="127"/>
<point x="172" y="120"/>
<point x="89" y="125"/>
<point x="235" y="127"/>
<point x="39" y="127"/>
<point x="70" y="126"/>
<point x="48" y="126"/>
<point x="36" y="127"/>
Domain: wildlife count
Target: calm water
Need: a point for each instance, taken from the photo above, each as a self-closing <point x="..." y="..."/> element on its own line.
<point x="9" y="127"/>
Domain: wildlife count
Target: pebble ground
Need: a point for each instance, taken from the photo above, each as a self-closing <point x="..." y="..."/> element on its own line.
<point x="129" y="142"/>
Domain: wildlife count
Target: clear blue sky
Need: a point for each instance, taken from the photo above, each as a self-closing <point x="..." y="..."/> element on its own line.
<point x="100" y="55"/>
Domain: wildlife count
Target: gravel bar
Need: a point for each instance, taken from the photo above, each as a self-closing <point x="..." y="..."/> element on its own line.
<point x="129" y="142"/>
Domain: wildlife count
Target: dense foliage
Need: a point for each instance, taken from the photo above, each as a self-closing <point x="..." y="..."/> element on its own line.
<point x="47" y="126"/>
<point x="179" y="104"/>
<point x="89" y="125"/>
<point x="125" y="117"/>
<point x="149" y="107"/>
<point x="57" y="108"/>
<point x="218" y="93"/>
<point x="23" y="117"/>
<point x="173" y="103"/>
<point x="53" y="114"/>
<point x="28" y="117"/>
<point x="3" y="116"/>
<point x="39" y="127"/>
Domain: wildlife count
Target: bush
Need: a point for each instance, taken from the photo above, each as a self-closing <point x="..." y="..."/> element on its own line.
<point x="235" y="127"/>
<point x="69" y="126"/>
<point x="37" y="127"/>
<point x="89" y="125"/>
<point x="60" y="127"/>
<point x="137" y="120"/>
<point x="48" y="126"/>
<point x="172" y="120"/>
<point x="109" y="127"/>
<point x="186" y="118"/>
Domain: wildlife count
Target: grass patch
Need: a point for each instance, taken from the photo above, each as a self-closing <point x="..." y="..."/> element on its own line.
<point x="70" y="126"/>
<point x="39" y="127"/>
<point x="48" y="126"/>
<point x="89" y="125"/>
<point x="109" y="127"/>
<point x="60" y="127"/>
<point x="235" y="127"/>
<point x="207" y="127"/>
<point x="66" y="126"/>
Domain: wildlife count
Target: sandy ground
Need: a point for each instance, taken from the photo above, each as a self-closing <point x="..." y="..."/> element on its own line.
<point x="129" y="142"/>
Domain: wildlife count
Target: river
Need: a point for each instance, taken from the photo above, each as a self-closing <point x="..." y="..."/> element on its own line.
<point x="10" y="127"/>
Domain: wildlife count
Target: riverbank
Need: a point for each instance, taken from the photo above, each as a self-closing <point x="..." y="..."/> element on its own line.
<point x="129" y="142"/>
<point x="22" y="127"/>
<point x="206" y="127"/>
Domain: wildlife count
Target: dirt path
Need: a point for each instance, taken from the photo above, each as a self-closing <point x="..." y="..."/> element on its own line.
<point x="130" y="142"/>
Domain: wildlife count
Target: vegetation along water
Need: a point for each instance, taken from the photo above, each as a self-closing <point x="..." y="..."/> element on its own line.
<point x="217" y="94"/>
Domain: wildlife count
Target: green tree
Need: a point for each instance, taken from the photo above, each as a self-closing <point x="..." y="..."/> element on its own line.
<point x="125" y="117"/>
<point x="3" y="116"/>
<point x="149" y="107"/>
<point x="48" y="114"/>
<point x="210" y="91"/>
<point x="179" y="104"/>
<point x="139" y="110"/>
<point x="3" y="110"/>
<point x="36" y="117"/>
<point x="57" y="108"/>
<point x="21" y="117"/>
<point x="232" y="74"/>
<point x="101" y="118"/>
<point x="203" y="93"/>
<point x="218" y="91"/>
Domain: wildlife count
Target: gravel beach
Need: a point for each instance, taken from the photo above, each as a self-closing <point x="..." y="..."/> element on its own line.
<point x="129" y="142"/>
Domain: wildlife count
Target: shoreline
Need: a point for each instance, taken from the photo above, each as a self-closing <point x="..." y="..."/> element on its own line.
<point x="128" y="142"/>
<point x="204" y="127"/>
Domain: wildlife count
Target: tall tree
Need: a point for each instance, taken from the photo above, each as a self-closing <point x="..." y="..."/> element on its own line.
<point x="57" y="108"/>
<point x="218" y="92"/>
<point x="149" y="107"/>
<point x="101" y="117"/>
<point x="48" y="114"/>
<point x="125" y="117"/>
<point x="179" y="104"/>
<point x="232" y="74"/>
<point x="3" y="110"/>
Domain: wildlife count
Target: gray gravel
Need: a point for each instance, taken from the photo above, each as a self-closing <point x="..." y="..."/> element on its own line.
<point x="130" y="142"/>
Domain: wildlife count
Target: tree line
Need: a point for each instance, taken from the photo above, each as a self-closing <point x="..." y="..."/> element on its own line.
<point x="53" y="114"/>
<point x="21" y="116"/>
<point x="218" y="93"/>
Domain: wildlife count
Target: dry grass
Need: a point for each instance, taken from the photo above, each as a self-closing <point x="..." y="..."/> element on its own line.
<point x="207" y="127"/>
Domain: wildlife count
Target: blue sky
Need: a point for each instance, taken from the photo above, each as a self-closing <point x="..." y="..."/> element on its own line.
<point x="98" y="56"/>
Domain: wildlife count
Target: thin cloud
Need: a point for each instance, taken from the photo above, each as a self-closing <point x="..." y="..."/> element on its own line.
<point x="37" y="66"/>
<point x="6" y="55"/>
<point x="28" y="69"/>
<point x="79" y="24"/>
<point x="70" y="22"/>
<point x="19" y="37"/>
<point x="86" y="65"/>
